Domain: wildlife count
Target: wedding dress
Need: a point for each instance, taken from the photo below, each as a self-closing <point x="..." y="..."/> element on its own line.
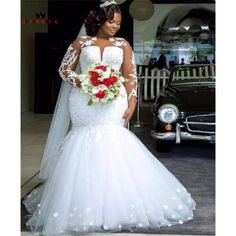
<point x="104" y="178"/>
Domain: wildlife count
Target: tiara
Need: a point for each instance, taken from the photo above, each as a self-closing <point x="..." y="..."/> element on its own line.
<point x="108" y="3"/>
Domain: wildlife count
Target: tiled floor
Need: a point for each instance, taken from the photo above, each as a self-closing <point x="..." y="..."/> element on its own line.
<point x="34" y="131"/>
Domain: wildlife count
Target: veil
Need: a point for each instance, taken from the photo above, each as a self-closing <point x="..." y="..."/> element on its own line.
<point x="59" y="127"/>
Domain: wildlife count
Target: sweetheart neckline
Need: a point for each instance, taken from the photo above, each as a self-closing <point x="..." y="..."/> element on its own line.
<point x="101" y="52"/>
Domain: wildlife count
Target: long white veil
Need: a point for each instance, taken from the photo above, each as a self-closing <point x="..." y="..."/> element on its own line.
<point x="59" y="127"/>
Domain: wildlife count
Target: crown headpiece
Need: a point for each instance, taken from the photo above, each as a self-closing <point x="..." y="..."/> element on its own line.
<point x="108" y="3"/>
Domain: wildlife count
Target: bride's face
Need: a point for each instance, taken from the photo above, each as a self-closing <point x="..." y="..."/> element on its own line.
<point x="110" y="27"/>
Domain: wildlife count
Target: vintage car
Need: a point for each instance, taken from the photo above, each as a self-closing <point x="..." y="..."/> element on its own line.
<point x="185" y="107"/>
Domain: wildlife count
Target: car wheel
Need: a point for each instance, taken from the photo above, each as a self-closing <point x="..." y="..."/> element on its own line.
<point x="163" y="146"/>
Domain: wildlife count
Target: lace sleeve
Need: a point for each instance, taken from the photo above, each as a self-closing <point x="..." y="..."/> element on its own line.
<point x="129" y="71"/>
<point x="69" y="63"/>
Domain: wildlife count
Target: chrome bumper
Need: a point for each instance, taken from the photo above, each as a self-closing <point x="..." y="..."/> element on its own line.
<point x="178" y="136"/>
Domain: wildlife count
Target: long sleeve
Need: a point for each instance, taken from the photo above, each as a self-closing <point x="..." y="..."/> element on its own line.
<point x="129" y="71"/>
<point x="69" y="63"/>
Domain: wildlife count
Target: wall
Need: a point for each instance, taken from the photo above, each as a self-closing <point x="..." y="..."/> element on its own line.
<point x="28" y="9"/>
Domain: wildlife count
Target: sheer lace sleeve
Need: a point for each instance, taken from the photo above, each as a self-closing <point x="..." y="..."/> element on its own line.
<point x="69" y="63"/>
<point x="129" y="71"/>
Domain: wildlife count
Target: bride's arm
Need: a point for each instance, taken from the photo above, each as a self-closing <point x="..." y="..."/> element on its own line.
<point x="69" y="63"/>
<point x="129" y="73"/>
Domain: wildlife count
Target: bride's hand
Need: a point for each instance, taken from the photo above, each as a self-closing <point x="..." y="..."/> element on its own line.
<point x="78" y="83"/>
<point x="127" y="115"/>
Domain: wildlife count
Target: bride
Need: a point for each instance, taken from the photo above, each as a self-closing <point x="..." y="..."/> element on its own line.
<point x="97" y="174"/>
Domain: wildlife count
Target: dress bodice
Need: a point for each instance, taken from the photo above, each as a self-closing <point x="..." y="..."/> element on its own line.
<point x="109" y="114"/>
<point x="111" y="55"/>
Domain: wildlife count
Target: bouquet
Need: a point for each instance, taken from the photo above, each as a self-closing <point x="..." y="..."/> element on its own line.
<point x="101" y="83"/>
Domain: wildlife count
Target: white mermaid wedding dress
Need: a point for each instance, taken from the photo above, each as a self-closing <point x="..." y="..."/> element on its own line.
<point x="105" y="179"/>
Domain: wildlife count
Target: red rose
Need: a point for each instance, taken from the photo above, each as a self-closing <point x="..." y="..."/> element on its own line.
<point x="93" y="74"/>
<point x="103" y="68"/>
<point x="94" y="81"/>
<point x="113" y="79"/>
<point x="112" y="70"/>
<point x="100" y="94"/>
<point x="94" y="77"/>
<point x="107" y="82"/>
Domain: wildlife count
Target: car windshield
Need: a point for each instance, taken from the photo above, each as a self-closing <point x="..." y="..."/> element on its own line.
<point x="193" y="75"/>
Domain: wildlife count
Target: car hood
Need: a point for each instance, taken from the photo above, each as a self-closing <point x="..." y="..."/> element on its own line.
<point x="194" y="98"/>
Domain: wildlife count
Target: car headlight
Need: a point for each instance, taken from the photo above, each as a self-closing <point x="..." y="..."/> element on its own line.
<point x="168" y="113"/>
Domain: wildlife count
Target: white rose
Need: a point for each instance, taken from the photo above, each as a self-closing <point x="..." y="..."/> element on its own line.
<point x="110" y="95"/>
<point x="95" y="99"/>
<point x="104" y="100"/>
<point x="102" y="87"/>
<point x="83" y="77"/>
<point x="106" y="74"/>
<point x="95" y="90"/>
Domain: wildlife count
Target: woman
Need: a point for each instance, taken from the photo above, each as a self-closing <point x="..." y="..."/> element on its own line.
<point x="102" y="178"/>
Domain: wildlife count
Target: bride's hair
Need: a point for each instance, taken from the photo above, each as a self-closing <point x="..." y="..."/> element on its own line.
<point x="99" y="16"/>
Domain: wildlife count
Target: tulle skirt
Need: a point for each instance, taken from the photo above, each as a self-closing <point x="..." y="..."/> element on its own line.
<point x="105" y="179"/>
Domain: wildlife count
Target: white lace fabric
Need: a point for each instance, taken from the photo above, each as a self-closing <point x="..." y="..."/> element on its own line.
<point x="110" y="54"/>
<point x="129" y="71"/>
<point x="68" y="65"/>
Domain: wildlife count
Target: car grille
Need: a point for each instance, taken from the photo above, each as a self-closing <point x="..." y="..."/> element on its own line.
<point x="201" y="123"/>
